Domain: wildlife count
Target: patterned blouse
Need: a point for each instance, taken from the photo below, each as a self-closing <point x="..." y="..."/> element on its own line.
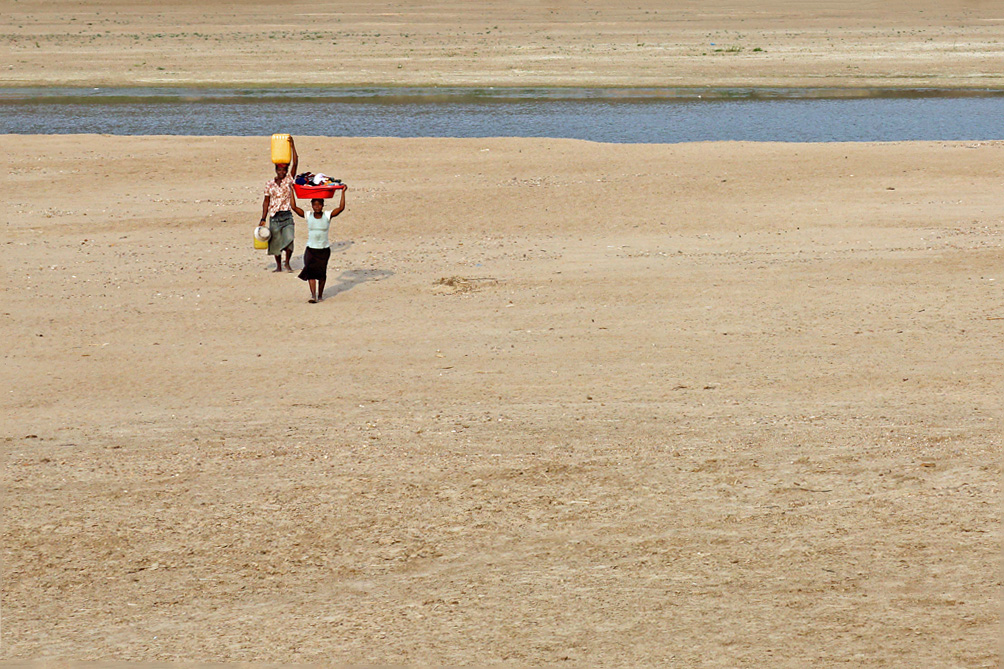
<point x="280" y="195"/>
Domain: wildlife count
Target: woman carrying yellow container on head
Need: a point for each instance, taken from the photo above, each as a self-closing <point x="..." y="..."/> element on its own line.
<point x="279" y="203"/>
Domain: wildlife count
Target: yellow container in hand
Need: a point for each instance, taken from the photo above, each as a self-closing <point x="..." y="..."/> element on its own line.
<point x="281" y="150"/>
<point x="261" y="235"/>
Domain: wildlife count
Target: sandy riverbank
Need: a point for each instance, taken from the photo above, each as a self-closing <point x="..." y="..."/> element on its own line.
<point x="718" y="43"/>
<point x="722" y="404"/>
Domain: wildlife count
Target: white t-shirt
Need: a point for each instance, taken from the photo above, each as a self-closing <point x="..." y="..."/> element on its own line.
<point x="317" y="230"/>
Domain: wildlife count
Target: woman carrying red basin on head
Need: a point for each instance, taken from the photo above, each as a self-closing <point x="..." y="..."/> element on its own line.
<point x="315" y="258"/>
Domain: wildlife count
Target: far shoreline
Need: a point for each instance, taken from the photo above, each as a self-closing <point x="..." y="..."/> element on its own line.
<point x="209" y="92"/>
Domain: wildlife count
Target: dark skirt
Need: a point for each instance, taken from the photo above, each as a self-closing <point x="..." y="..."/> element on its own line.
<point x="315" y="264"/>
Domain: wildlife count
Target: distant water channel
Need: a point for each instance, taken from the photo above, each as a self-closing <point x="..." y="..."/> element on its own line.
<point x="601" y="115"/>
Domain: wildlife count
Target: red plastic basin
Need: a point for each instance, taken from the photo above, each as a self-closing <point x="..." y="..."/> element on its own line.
<point x="309" y="192"/>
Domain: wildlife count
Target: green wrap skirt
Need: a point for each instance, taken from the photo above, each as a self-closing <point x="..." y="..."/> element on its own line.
<point x="280" y="227"/>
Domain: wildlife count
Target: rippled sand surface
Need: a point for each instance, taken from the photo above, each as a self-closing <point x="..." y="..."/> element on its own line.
<point x="930" y="43"/>
<point x="688" y="405"/>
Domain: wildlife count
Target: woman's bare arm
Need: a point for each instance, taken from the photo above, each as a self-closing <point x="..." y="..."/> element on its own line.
<point x="341" y="204"/>
<point x="264" y="209"/>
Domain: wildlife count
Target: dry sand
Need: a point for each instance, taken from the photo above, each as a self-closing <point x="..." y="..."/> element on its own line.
<point x="829" y="43"/>
<point x="706" y="404"/>
<point x="694" y="405"/>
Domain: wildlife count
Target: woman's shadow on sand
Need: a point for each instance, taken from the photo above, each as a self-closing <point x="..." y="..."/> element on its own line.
<point x="351" y="278"/>
<point x="348" y="279"/>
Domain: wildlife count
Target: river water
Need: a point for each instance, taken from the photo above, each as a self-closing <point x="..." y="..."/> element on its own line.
<point x="601" y="115"/>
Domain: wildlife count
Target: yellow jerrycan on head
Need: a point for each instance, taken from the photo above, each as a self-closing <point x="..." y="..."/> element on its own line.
<point x="281" y="150"/>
